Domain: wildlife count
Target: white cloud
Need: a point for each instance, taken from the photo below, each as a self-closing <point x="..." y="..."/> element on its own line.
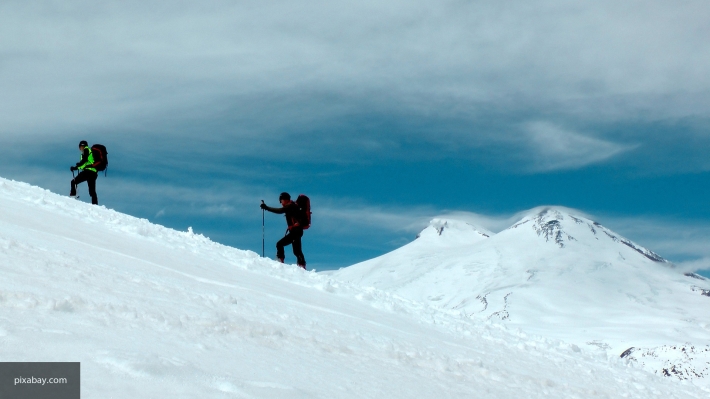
<point x="343" y="215"/>
<point x="79" y="64"/>
<point x="554" y="148"/>
<point x="695" y="265"/>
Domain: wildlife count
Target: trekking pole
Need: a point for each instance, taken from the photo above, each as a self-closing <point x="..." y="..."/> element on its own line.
<point x="262" y="231"/>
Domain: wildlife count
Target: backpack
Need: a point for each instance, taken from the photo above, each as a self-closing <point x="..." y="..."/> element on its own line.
<point x="100" y="157"/>
<point x="304" y="206"/>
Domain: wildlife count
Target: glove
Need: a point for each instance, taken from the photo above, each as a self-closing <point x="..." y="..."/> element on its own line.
<point x="73" y="168"/>
<point x="262" y="206"/>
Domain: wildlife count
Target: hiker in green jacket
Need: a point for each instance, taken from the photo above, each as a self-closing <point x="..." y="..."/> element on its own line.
<point x="87" y="172"/>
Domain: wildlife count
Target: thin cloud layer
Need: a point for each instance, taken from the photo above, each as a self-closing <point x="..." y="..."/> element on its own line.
<point x="557" y="148"/>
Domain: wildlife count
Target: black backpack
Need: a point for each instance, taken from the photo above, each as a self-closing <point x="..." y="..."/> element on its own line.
<point x="304" y="206"/>
<point x="100" y="157"/>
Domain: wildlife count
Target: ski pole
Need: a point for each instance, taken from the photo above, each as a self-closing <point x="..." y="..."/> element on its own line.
<point x="262" y="231"/>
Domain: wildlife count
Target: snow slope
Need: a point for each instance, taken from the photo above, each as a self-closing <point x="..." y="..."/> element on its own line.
<point x="152" y="312"/>
<point x="560" y="275"/>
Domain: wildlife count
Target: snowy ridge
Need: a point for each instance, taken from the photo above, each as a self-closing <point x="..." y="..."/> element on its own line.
<point x="154" y="312"/>
<point x="560" y="275"/>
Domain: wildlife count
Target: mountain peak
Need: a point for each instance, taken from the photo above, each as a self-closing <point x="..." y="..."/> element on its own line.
<point x="562" y="227"/>
<point x="547" y="223"/>
<point x="452" y="231"/>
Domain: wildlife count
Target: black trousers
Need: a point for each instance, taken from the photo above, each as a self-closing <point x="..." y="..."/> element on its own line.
<point x="90" y="178"/>
<point x="292" y="237"/>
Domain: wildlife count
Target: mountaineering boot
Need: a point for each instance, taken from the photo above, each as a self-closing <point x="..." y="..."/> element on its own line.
<point x="280" y="260"/>
<point x="301" y="260"/>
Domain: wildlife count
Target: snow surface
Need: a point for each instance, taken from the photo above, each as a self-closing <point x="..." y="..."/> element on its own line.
<point x="152" y="312"/>
<point x="560" y="275"/>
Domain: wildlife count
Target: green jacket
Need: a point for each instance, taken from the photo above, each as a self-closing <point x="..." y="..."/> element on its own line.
<point x="87" y="159"/>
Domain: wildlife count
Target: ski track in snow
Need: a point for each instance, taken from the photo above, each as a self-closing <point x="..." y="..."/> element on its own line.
<point x="151" y="312"/>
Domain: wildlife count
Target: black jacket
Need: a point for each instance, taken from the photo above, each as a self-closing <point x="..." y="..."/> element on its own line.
<point x="292" y="213"/>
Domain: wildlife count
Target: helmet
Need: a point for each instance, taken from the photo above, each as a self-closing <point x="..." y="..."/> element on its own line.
<point x="83" y="143"/>
<point x="284" y="196"/>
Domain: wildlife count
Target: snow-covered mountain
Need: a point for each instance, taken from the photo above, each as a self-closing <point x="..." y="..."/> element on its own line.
<point x="557" y="274"/>
<point x="151" y="312"/>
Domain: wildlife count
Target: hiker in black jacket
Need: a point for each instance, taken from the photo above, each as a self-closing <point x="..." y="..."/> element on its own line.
<point x="295" y="231"/>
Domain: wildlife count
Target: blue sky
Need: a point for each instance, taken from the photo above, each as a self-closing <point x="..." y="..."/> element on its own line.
<point x="386" y="114"/>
